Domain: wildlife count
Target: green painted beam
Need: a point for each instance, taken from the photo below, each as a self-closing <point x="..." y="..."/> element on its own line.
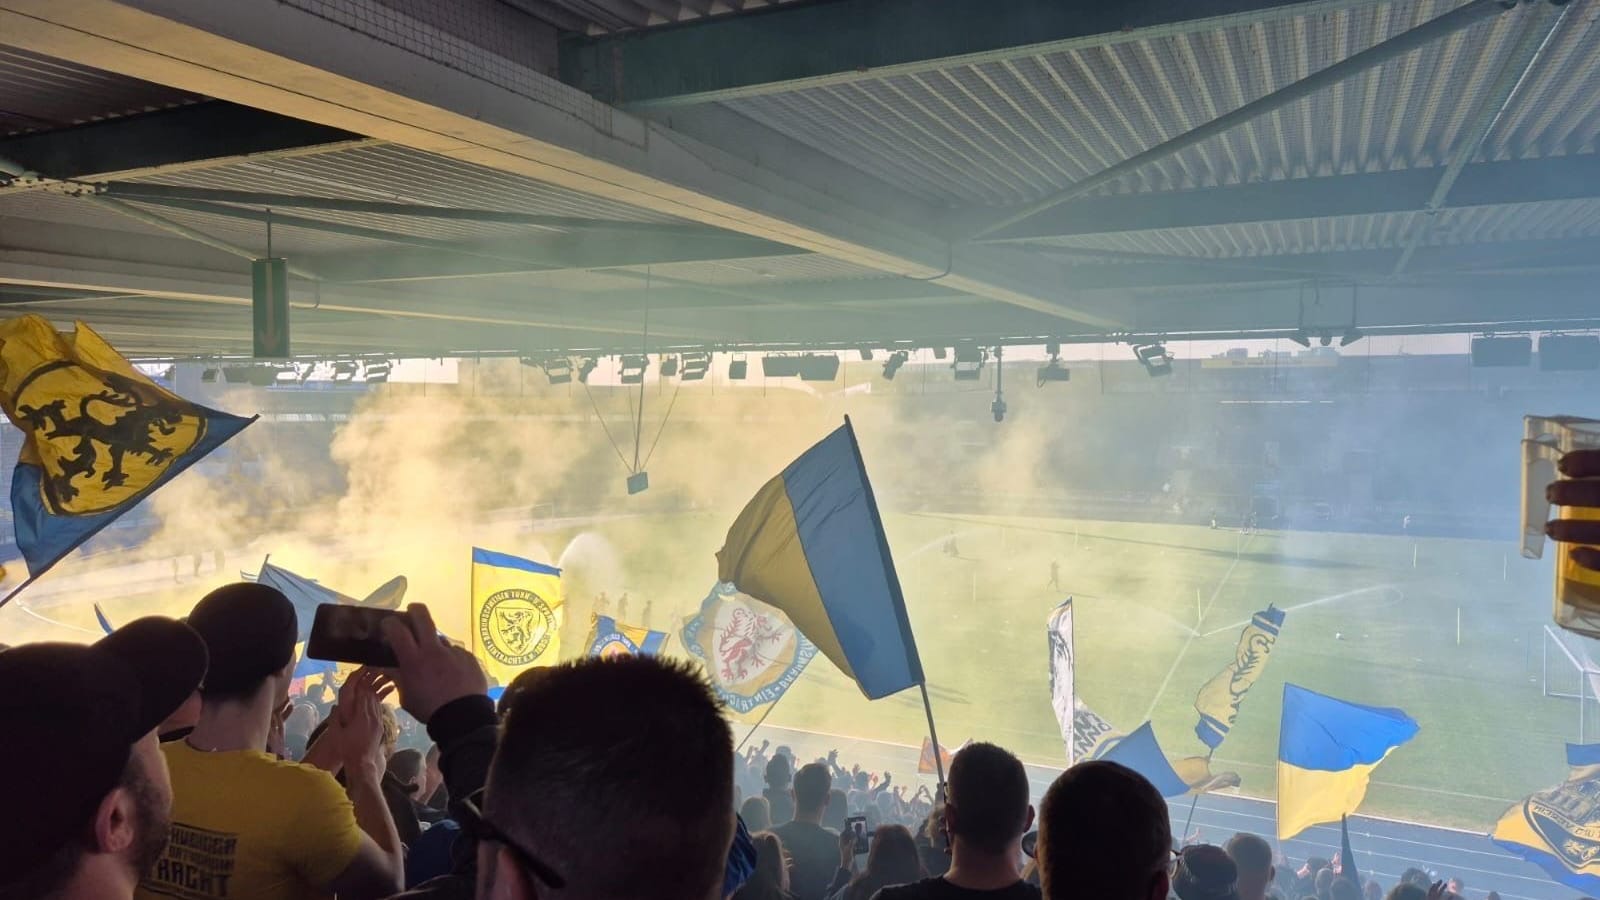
<point x="785" y="48"/>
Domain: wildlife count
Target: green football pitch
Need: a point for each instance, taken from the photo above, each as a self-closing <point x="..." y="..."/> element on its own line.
<point x="1158" y="611"/>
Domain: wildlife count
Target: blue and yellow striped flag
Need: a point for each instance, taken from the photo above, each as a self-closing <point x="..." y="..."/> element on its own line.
<point x="98" y="435"/>
<point x="1327" y="749"/>
<point x="517" y="612"/>
<point x="1559" y="829"/>
<point x="1218" y="700"/>
<point x="811" y="544"/>
<point x="608" y="637"/>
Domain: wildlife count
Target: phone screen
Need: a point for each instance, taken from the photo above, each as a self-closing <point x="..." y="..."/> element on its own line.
<point x="352" y="634"/>
<point x="858" y="825"/>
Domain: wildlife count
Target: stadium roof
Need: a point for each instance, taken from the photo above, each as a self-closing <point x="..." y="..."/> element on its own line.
<point x="524" y="175"/>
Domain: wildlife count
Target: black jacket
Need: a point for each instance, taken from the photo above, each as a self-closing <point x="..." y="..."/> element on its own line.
<point x="464" y="729"/>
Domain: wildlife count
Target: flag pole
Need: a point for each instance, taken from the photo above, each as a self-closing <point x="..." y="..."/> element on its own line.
<point x="751" y="733"/>
<point x="18" y="589"/>
<point x="1186" y="822"/>
<point x="938" y="758"/>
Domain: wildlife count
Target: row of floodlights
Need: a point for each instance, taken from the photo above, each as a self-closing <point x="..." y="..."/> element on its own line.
<point x="1557" y="352"/>
<point x="351" y="371"/>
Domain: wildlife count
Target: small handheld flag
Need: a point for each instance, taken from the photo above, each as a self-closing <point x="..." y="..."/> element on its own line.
<point x="517" y="611"/>
<point x="1218" y="700"/>
<point x="608" y="637"/>
<point x="811" y="543"/>
<point x="1327" y="749"/>
<point x="1556" y="828"/>
<point x="98" y="435"/>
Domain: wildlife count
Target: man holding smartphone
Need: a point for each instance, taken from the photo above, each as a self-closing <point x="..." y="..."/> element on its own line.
<point x="246" y="825"/>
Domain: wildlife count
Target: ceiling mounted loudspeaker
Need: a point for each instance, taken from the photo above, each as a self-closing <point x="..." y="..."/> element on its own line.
<point x="1569" y="353"/>
<point x="1502" y="352"/>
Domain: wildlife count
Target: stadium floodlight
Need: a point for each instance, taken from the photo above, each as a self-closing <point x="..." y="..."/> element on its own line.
<point x="558" y="369"/>
<point x="738" y="368"/>
<point x="1502" y="352"/>
<point x="1156" y="360"/>
<point x="345" y="370"/>
<point x="1301" y="337"/>
<point x="938" y="353"/>
<point x="1351" y="335"/>
<point x="866" y="353"/>
<point x="633" y="368"/>
<point x="208" y="375"/>
<point x="669" y="366"/>
<point x="1326" y="339"/>
<point x="969" y="362"/>
<point x="696" y="365"/>
<point x="891" y="366"/>
<point x="377" y="371"/>
<point x="586" y="368"/>
<point x="1569" y="353"/>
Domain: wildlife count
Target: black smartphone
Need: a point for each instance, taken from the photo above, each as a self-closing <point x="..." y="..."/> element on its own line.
<point x="352" y="634"/>
<point x="858" y="826"/>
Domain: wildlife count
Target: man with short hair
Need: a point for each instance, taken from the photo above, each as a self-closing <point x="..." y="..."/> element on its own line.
<point x="813" y="850"/>
<point x="80" y="728"/>
<point x="576" y="801"/>
<point x="246" y="825"/>
<point x="779" y="790"/>
<point x="1253" y="857"/>
<point x="1104" y="834"/>
<point x="986" y="813"/>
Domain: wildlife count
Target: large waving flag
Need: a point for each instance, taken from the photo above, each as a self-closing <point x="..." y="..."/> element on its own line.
<point x="811" y="543"/>
<point x="1558" y="829"/>
<point x="1218" y="700"/>
<point x="1092" y="735"/>
<point x="1327" y="749"/>
<point x="608" y="637"/>
<point x="98" y="435"/>
<point x="751" y="652"/>
<point x="517" y="611"/>
<point x="1140" y="752"/>
<point x="1063" y="699"/>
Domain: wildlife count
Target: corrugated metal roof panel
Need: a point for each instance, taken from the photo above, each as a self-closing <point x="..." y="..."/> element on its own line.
<point x="40" y="92"/>
<point x="1005" y="133"/>
<point x="1470" y="225"/>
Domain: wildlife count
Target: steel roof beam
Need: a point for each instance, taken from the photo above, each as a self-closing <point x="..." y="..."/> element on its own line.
<point x="1371" y="193"/>
<point x="293" y="62"/>
<point x="830" y="43"/>
<point x="155" y="142"/>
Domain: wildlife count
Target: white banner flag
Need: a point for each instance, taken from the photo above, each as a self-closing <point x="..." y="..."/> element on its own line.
<point x="1061" y="687"/>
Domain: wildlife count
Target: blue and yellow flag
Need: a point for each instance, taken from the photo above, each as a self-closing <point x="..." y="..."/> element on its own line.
<point x="1327" y="749"/>
<point x="608" y="637"/>
<point x="811" y="544"/>
<point x="1140" y="752"/>
<point x="517" y="611"/>
<point x="1559" y="829"/>
<point x="98" y="435"/>
<point x="751" y="652"/>
<point x="1218" y="699"/>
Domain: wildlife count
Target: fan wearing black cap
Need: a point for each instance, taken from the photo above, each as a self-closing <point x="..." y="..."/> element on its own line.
<point x="80" y="732"/>
<point x="246" y="825"/>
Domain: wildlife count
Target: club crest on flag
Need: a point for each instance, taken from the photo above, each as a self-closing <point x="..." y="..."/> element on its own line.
<point x="101" y="438"/>
<point x="1558" y="828"/>
<point x="515" y="626"/>
<point x="752" y="651"/>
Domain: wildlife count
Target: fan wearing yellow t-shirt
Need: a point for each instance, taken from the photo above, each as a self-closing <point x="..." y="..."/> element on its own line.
<point x="247" y="826"/>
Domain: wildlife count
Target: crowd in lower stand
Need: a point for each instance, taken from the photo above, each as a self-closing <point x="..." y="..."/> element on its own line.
<point x="167" y="761"/>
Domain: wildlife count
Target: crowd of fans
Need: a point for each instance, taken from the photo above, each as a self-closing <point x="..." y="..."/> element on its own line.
<point x="168" y="761"/>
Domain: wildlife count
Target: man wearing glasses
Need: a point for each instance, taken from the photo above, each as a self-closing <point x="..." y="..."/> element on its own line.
<point x="610" y="778"/>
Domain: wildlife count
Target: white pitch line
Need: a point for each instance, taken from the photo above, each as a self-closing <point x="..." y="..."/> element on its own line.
<point x="1317" y="602"/>
<point x="51" y="621"/>
<point x="1215" y="593"/>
